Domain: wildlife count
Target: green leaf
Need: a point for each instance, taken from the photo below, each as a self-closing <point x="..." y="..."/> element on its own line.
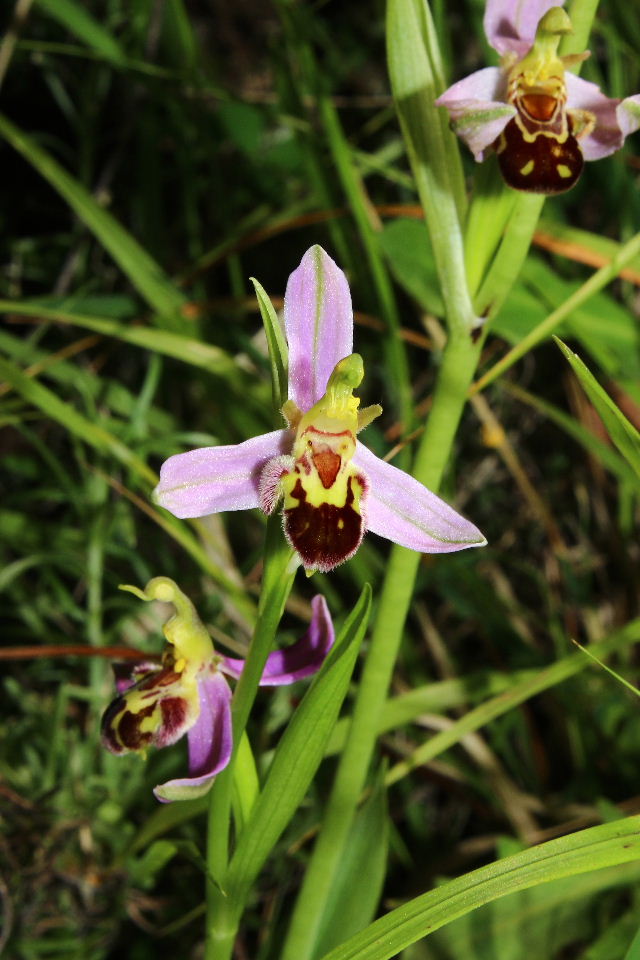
<point x="109" y="393"/>
<point x="433" y="698"/>
<point x="576" y="301"/>
<point x="246" y="785"/>
<point x="547" y="918"/>
<point x="606" y="845"/>
<point x="518" y="693"/>
<point x="278" y="352"/>
<point x="622" y="432"/>
<point x="165" y="818"/>
<point x="633" y="953"/>
<point x="352" y="903"/>
<point x="143" y="870"/>
<point x="616" y="938"/>
<point x="581" y="434"/>
<point x="75" y="18"/>
<point x="187" y="349"/>
<point x="407" y="247"/>
<point x="606" y="328"/>
<point x="593" y="246"/>
<point x="298" y="754"/>
<point x="417" y="79"/>
<point x="92" y="433"/>
<point x="141" y="269"/>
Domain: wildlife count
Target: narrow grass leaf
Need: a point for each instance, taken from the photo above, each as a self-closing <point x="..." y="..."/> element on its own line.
<point x="606" y="845"/>
<point x="633" y="953"/>
<point x="593" y="285"/>
<point x="195" y="352"/>
<point x="77" y="424"/>
<point x="353" y="900"/>
<point x="278" y="352"/>
<point x="582" y="246"/>
<point x="143" y="870"/>
<point x="298" y="754"/>
<point x="165" y="818"/>
<point x="141" y="269"/>
<point x="517" y="694"/>
<point x="622" y="432"/>
<point x="549" y="918"/>
<point x="246" y="784"/>
<point x="433" y="698"/>
<point x="75" y="18"/>
<point x="591" y="443"/>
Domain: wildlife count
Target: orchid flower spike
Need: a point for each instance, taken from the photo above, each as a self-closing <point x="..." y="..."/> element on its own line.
<point x="542" y="121"/>
<point x="187" y="692"/>
<point x="331" y="487"/>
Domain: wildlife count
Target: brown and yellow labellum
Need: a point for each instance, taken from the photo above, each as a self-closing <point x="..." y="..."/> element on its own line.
<point x="324" y="533"/>
<point x="155" y="711"/>
<point x="324" y="497"/>
<point x="542" y="162"/>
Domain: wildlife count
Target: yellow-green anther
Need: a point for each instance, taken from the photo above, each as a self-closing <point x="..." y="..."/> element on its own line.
<point x="543" y="60"/>
<point x="338" y="408"/>
<point x="347" y="375"/>
<point x="184" y="629"/>
<point x="555" y="21"/>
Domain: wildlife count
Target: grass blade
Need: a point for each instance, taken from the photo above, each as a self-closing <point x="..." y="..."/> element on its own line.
<point x="75" y="18"/>
<point x="606" y="845"/>
<point x="298" y="755"/>
<point x="141" y="269"/>
<point x="622" y="432"/>
<point x="77" y="424"/>
<point x="198" y="354"/>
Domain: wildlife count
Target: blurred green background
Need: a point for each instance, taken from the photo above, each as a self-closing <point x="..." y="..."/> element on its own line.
<point x="155" y="155"/>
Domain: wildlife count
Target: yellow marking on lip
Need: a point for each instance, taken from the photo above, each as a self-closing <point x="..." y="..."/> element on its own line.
<point x="564" y="171"/>
<point x="150" y="724"/>
<point x="528" y="168"/>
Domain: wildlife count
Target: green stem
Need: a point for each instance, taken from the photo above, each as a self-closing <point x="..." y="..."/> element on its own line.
<point x="417" y="78"/>
<point x="581" y="14"/>
<point x="511" y="253"/>
<point x="593" y="285"/>
<point x="222" y="914"/>
<point x="459" y="362"/>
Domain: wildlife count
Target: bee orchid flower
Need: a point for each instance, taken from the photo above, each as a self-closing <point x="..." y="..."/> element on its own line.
<point x="332" y="488"/>
<point x="187" y="692"/>
<point x="542" y="120"/>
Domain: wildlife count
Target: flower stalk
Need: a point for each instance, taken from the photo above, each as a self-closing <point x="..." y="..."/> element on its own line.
<point x="222" y="915"/>
<point x="459" y="362"/>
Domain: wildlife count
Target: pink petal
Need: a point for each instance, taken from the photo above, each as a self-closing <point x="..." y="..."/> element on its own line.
<point x="477" y="108"/>
<point x="403" y="510"/>
<point x="210" y="742"/>
<point x="302" y="658"/>
<point x="607" y="136"/>
<point x="511" y="25"/>
<point x="212" y="479"/>
<point x="318" y="321"/>
<point x="629" y="114"/>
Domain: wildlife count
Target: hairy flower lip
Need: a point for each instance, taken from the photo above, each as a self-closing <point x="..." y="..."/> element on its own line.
<point x="318" y="320"/>
<point x="166" y="703"/>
